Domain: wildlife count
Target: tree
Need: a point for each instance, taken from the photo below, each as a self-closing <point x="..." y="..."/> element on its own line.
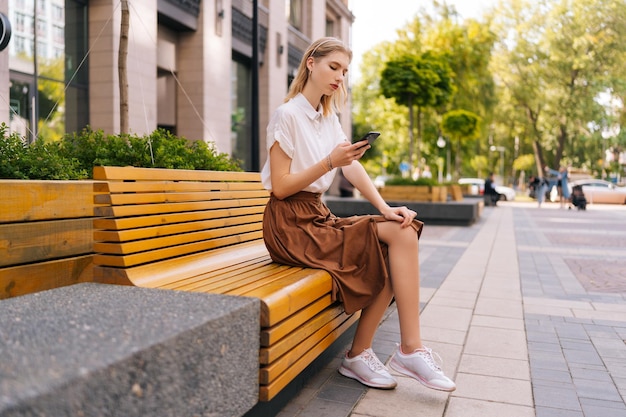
<point x="460" y="125"/>
<point x="122" y="72"/>
<point x="553" y="61"/>
<point x="421" y="81"/>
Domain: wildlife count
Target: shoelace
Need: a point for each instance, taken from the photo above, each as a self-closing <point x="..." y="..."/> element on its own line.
<point x="372" y="361"/>
<point x="427" y="354"/>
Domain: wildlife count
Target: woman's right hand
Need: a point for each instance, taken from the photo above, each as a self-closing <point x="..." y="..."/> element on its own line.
<point x="346" y="152"/>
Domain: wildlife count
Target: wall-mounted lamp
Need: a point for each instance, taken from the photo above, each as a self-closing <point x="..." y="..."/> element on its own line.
<point x="281" y="49"/>
<point x="219" y="13"/>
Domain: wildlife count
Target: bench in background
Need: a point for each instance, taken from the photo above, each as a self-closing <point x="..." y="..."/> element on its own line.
<point x="201" y="231"/>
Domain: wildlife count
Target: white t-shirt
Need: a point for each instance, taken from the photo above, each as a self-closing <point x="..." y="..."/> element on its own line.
<point x="306" y="136"/>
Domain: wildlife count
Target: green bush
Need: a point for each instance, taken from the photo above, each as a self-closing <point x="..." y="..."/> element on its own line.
<point x="76" y="154"/>
<point x="410" y="181"/>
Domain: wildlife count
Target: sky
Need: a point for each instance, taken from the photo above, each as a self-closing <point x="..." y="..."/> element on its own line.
<point x="377" y="20"/>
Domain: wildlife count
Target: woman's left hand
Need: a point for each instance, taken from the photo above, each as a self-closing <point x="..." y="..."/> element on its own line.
<point x="400" y="214"/>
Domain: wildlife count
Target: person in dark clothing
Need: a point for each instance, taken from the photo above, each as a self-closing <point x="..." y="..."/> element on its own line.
<point x="491" y="195"/>
<point x="533" y="186"/>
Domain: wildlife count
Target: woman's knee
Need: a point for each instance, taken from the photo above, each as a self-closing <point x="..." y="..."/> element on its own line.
<point x="392" y="233"/>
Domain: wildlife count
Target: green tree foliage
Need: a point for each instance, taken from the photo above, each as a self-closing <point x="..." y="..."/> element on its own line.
<point x="462" y="48"/>
<point x="51" y="99"/>
<point x="76" y="154"/>
<point x="461" y="125"/>
<point x="421" y="81"/>
<point x="546" y="77"/>
<point x="554" y="60"/>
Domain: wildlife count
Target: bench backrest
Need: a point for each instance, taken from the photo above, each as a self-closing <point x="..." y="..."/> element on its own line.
<point x="156" y="214"/>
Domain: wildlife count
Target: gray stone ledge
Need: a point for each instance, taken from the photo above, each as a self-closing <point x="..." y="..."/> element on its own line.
<point x="106" y="350"/>
<point x="458" y="213"/>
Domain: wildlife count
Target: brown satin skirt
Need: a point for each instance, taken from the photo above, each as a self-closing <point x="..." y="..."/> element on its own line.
<point x="301" y="231"/>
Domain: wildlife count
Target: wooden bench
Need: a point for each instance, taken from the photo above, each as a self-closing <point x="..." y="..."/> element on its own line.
<point x="202" y="231"/>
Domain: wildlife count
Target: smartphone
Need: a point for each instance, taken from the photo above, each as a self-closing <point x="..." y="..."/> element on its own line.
<point x="370" y="137"/>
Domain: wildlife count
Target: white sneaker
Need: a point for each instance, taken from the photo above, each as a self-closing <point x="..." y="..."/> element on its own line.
<point x="368" y="370"/>
<point x="422" y="366"/>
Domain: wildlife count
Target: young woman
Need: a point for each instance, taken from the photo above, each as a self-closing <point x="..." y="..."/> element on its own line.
<point x="371" y="258"/>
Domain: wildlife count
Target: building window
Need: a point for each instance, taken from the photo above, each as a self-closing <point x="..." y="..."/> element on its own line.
<point x="52" y="98"/>
<point x="241" y="110"/>
<point x="294" y="14"/>
<point x="330" y="28"/>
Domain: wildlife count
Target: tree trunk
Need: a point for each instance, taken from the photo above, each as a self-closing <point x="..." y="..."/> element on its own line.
<point x="411" y="139"/>
<point x="419" y="136"/>
<point x="122" y="71"/>
<point x="562" y="138"/>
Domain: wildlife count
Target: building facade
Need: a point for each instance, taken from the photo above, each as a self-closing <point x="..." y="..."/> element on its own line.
<point x="189" y="66"/>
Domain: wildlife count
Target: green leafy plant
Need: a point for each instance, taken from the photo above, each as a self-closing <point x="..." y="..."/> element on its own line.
<point x="76" y="154"/>
<point x="410" y="181"/>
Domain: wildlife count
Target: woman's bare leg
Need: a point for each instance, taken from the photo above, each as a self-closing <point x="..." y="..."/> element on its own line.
<point x="404" y="270"/>
<point x="369" y="321"/>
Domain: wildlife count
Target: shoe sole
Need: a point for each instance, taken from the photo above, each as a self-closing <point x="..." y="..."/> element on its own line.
<point x="349" y="374"/>
<point x="401" y="369"/>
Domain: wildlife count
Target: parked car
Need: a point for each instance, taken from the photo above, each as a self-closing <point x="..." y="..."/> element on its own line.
<point x="601" y="191"/>
<point x="380" y="180"/>
<point x="477" y="187"/>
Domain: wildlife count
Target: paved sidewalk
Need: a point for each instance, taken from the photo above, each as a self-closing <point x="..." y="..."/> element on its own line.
<point x="527" y="308"/>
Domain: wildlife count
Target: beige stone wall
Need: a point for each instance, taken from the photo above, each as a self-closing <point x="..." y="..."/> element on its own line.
<point x="104" y="35"/>
<point x="204" y="62"/>
<point x="273" y="74"/>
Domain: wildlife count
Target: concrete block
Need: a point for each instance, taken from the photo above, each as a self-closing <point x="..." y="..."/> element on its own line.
<point x="459" y="213"/>
<point x="105" y="350"/>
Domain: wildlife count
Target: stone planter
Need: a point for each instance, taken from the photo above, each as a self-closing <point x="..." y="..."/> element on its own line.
<point x="46" y="235"/>
<point x="414" y="193"/>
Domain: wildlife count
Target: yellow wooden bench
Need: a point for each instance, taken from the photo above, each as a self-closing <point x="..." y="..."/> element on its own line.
<point x="202" y="231"/>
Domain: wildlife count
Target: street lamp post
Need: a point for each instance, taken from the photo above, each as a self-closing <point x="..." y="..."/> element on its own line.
<point x="441" y="143"/>
<point x="500" y="149"/>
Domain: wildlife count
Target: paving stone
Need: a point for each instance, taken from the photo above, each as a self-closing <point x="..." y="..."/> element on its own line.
<point x="556" y="397"/>
<point x="556" y="412"/>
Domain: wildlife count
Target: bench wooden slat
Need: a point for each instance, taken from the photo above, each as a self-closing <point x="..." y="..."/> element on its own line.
<point x="162" y="174"/>
<point x="45" y="200"/>
<point x="172" y="218"/>
<point x="148" y="209"/>
<point x="283" y="298"/>
<point x="155" y="198"/>
<point x="272" y="371"/>
<point x="174" y="186"/>
<point x="169" y="241"/>
<point x="152" y="275"/>
<point x="269" y="354"/>
<point x="173" y="229"/>
<point x="22" y="243"/>
<point x="271" y="335"/>
<point x="169" y="252"/>
<point x="269" y="391"/>
<point x="257" y="273"/>
<point x="40" y="276"/>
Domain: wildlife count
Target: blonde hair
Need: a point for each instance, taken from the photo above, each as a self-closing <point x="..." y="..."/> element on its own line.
<point x="317" y="50"/>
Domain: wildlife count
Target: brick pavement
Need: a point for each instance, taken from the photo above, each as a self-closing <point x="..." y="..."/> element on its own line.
<point x="527" y="309"/>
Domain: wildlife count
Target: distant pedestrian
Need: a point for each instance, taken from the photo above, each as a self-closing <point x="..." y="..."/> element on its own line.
<point x="542" y="190"/>
<point x="491" y="194"/>
<point x="562" y="187"/>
